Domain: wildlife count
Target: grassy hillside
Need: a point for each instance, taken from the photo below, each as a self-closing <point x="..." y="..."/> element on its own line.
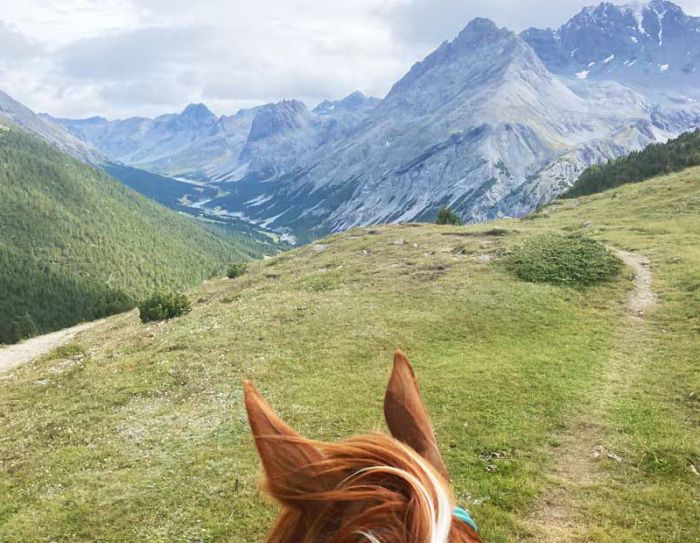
<point x="136" y="433"/>
<point x="76" y="245"/>
<point x="672" y="156"/>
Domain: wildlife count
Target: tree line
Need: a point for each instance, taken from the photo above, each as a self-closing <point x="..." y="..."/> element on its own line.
<point x="656" y="159"/>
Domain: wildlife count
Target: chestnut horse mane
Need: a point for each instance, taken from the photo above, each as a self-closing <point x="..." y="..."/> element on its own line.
<point x="366" y="489"/>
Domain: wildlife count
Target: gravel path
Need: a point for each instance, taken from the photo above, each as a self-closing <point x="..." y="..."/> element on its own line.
<point x="21" y="353"/>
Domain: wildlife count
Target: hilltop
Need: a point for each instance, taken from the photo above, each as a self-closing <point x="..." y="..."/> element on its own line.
<point x="137" y="432"/>
<point x="76" y="245"/>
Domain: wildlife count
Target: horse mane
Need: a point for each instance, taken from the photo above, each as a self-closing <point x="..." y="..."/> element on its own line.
<point x="387" y="494"/>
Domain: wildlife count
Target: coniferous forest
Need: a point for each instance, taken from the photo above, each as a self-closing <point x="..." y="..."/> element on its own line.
<point x="76" y="245"/>
<point x="656" y="159"/>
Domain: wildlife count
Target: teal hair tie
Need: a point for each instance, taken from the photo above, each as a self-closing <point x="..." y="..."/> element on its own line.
<point x="464" y="516"/>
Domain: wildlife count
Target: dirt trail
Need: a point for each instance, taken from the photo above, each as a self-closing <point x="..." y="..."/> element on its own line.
<point x="558" y="518"/>
<point x="642" y="297"/>
<point x="16" y="355"/>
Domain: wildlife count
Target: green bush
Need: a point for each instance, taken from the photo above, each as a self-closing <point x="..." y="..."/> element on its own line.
<point x="23" y="327"/>
<point x="572" y="260"/>
<point x="164" y="305"/>
<point x="236" y="270"/>
<point x="447" y="216"/>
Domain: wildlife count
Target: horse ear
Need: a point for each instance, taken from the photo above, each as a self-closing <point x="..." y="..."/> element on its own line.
<point x="406" y="415"/>
<point x="292" y="464"/>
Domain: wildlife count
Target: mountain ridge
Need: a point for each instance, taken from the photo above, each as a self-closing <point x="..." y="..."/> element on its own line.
<point x="57" y="135"/>
<point x="631" y="42"/>
<point x="211" y="148"/>
<point x="492" y="123"/>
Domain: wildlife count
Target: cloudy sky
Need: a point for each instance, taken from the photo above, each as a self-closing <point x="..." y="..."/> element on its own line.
<point x="119" y="58"/>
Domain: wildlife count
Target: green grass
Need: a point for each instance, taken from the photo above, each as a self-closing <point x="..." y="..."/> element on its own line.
<point x="141" y="433"/>
<point x="654" y="422"/>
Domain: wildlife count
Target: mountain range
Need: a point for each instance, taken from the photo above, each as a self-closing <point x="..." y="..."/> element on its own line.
<point x="197" y="144"/>
<point x="492" y="123"/>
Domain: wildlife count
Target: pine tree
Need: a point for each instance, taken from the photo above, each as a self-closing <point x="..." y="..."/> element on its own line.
<point x="447" y="216"/>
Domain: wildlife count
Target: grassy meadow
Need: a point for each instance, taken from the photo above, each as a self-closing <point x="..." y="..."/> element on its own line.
<point x="137" y="432"/>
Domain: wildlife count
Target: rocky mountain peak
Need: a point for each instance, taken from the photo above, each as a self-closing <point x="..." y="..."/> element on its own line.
<point x="354" y="102"/>
<point x="97" y="119"/>
<point x="640" y="43"/>
<point x="271" y="119"/>
<point x="197" y="113"/>
<point x="477" y="29"/>
<point x="670" y="7"/>
<point x="481" y="55"/>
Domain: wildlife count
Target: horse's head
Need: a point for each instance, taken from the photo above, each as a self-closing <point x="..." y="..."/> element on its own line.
<point x="367" y="489"/>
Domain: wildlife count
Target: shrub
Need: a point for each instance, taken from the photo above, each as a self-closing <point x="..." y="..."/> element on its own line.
<point x="164" y="305"/>
<point x="558" y="259"/>
<point x="447" y="216"/>
<point x="236" y="270"/>
<point x="24" y="327"/>
<point x="497" y="232"/>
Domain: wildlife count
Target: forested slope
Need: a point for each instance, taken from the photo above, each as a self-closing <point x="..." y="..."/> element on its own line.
<point x="657" y="159"/>
<point x="76" y="244"/>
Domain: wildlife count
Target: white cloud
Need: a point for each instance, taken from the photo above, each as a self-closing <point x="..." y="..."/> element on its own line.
<point x="59" y="22"/>
<point x="15" y="46"/>
<point x="124" y="57"/>
<point x="134" y="55"/>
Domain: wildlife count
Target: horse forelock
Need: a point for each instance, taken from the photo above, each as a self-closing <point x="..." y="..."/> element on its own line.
<point x="384" y="492"/>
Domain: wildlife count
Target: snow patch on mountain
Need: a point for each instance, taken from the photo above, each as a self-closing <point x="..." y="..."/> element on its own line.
<point x="635" y="39"/>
